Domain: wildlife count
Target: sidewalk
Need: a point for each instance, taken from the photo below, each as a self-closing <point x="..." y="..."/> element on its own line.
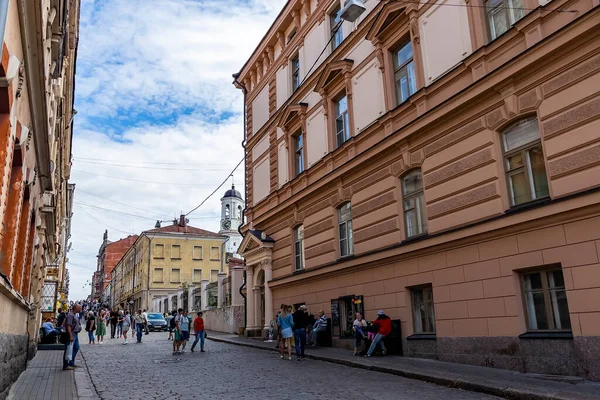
<point x="44" y="379"/>
<point x="498" y="382"/>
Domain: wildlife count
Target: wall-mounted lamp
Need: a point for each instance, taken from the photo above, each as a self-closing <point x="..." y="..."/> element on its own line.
<point x="352" y="10"/>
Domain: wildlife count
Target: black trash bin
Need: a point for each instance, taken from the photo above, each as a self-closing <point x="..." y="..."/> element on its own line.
<point x="393" y="341"/>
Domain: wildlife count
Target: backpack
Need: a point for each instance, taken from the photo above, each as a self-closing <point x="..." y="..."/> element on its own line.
<point x="172" y="323"/>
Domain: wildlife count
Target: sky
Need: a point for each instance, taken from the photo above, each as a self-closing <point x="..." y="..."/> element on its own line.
<point x="159" y="124"/>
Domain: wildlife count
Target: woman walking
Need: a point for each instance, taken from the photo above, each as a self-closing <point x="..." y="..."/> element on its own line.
<point x="285" y="322"/>
<point x="90" y="327"/>
<point x="101" y="327"/>
<point x="125" y="325"/>
<point x="120" y="324"/>
<point x="358" y="326"/>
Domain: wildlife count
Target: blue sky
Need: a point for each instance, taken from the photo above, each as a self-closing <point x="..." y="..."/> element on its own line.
<point x="155" y="104"/>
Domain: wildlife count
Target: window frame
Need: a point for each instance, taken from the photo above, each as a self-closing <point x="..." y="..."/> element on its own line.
<point x="397" y="68"/>
<point x="194" y="270"/>
<point x="211" y="274"/>
<point x="194" y="255"/>
<point x="171" y="277"/>
<point x="543" y="271"/>
<point x="158" y="245"/>
<point x="295" y="72"/>
<point x="336" y="36"/>
<point x="526" y="168"/>
<point x="162" y="274"/>
<point x="508" y="10"/>
<point x="415" y="196"/>
<point x="347" y="226"/>
<point x="424" y="289"/>
<point x="299" y="248"/>
<point x="174" y="246"/>
<point x="345" y="115"/>
<point x="299" y="152"/>
<point x="218" y="253"/>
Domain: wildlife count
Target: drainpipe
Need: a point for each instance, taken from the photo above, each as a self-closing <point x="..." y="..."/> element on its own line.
<point x="245" y="93"/>
<point x="148" y="286"/>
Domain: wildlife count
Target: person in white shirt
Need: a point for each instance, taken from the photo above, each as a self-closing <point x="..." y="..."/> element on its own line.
<point x="146" y="329"/>
<point x="184" y="328"/>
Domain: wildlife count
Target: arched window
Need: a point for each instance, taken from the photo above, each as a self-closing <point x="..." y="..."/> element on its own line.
<point x="524" y="162"/>
<point x="227" y="211"/>
<point x="415" y="218"/>
<point x="239" y="212"/>
<point x="299" y="247"/>
<point x="345" y="230"/>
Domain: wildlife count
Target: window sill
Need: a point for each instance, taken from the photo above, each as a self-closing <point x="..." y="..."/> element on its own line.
<point x="547" y="335"/>
<point x="415" y="238"/>
<point x="529" y="205"/>
<point x="422" y="336"/>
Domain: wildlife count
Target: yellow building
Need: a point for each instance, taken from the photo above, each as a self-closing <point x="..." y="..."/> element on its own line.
<point x="163" y="262"/>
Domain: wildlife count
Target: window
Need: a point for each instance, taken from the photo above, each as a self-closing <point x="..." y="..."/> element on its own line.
<point x="214" y="275"/>
<point x="175" y="252"/>
<point x="299" y="247"/>
<point x="295" y="72"/>
<point x="342" y="121"/>
<point x="502" y="14"/>
<point x="215" y="253"/>
<point x="196" y="275"/>
<point x="158" y="275"/>
<point x="345" y="229"/>
<point x="546" y="300"/>
<point x="159" y="251"/>
<point x="175" y="275"/>
<point x="524" y="162"/>
<point x="197" y="253"/>
<point x="227" y="211"/>
<point x="414" y="204"/>
<point x="337" y="35"/>
<point x="404" y="72"/>
<point x="239" y="212"/>
<point x="291" y="35"/>
<point x="299" y="153"/>
<point x="423" y="312"/>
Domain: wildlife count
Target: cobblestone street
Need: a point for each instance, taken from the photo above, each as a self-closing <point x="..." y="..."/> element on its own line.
<point x="150" y="371"/>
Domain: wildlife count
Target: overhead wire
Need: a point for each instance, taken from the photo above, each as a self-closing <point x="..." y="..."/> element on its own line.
<point x="100" y="222"/>
<point x="142" y="181"/>
<point x="145" y="162"/>
<point x="114" y="211"/>
<point x="155" y="168"/>
<point x="117" y="202"/>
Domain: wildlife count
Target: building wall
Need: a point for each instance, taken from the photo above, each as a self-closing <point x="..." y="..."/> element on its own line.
<point x="469" y="89"/>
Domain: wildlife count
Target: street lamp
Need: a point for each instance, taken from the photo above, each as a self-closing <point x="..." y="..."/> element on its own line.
<point x="352" y="10"/>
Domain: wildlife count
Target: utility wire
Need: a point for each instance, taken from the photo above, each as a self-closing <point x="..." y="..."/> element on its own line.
<point x="123" y="204"/>
<point x="156" y="168"/>
<point x="97" y="220"/>
<point x="143" y="162"/>
<point x="115" y="211"/>
<point x="139" y="180"/>
<point x="215" y="191"/>
<point x="559" y="10"/>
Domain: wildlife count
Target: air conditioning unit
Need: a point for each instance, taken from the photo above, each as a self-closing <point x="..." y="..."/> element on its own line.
<point x="352" y="10"/>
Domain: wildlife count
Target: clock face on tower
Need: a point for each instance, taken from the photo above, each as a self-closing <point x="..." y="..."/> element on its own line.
<point x="226" y="224"/>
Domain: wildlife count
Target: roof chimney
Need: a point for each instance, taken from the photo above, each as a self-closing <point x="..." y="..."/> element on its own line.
<point x="182" y="221"/>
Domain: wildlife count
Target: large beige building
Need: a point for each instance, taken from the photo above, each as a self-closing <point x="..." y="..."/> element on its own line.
<point x="438" y="161"/>
<point x="39" y="45"/>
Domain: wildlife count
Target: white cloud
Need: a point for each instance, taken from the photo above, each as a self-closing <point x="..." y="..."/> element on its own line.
<point x="153" y="77"/>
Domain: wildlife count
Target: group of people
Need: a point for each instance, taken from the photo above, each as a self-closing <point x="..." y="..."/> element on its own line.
<point x="120" y="322"/>
<point x="301" y="327"/>
<point x="179" y="331"/>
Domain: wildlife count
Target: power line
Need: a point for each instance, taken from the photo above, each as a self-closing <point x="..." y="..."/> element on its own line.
<point x="143" y="181"/>
<point x="115" y="211"/>
<point x="147" y="167"/>
<point x="145" y="162"/>
<point x="97" y="220"/>
<point x="215" y="191"/>
<point x="123" y="204"/>
<point x="559" y="10"/>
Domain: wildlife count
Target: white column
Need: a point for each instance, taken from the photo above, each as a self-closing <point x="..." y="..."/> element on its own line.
<point x="266" y="264"/>
<point x="221" y="289"/>
<point x="250" y="298"/>
<point x="204" y="294"/>
<point x="191" y="289"/>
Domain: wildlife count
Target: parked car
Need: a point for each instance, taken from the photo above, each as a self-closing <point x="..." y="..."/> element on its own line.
<point x="156" y="322"/>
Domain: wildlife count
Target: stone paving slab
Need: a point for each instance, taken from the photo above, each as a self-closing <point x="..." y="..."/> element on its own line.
<point x="497" y="382"/>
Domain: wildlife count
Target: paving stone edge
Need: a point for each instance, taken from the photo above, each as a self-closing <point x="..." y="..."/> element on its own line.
<point x="506" y="392"/>
<point x="83" y="382"/>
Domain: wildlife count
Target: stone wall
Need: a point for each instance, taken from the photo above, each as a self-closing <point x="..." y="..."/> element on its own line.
<point x="226" y="319"/>
<point x="13" y="354"/>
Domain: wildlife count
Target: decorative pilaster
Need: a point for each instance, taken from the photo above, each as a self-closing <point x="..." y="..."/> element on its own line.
<point x="250" y="317"/>
<point x="266" y="266"/>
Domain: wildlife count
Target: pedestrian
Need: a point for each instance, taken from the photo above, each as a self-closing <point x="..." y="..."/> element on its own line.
<point x="72" y="329"/>
<point x="61" y="318"/>
<point x="50" y="332"/>
<point x="199" y="331"/>
<point x="101" y="327"/>
<point x="384" y="325"/>
<point x="172" y="324"/>
<point x="120" y="324"/>
<point x="126" y="325"/>
<point x="319" y="326"/>
<point x="90" y="327"/>
<point x="146" y="329"/>
<point x="177" y="332"/>
<point x="300" y="318"/>
<point x="114" y="320"/>
<point x="184" y="328"/>
<point x="285" y="322"/>
<point x="139" y="325"/>
<point x="358" y="326"/>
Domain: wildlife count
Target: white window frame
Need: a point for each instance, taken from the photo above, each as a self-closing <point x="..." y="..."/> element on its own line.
<point x="295" y="72"/>
<point x="510" y="11"/>
<point x="346" y="237"/>
<point x="403" y="71"/>
<point x="299" y="247"/>
<point x="419" y="208"/>
<point x="299" y="153"/>
<point x="342" y="119"/>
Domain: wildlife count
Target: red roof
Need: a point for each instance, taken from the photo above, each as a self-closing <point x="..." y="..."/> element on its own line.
<point x="185" y="229"/>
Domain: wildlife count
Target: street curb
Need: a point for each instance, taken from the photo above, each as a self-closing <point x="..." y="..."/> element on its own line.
<point x="84" y="384"/>
<point x="506" y="392"/>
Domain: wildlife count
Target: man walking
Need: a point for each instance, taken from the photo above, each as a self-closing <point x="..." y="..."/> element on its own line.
<point x="146" y="329"/>
<point x="384" y="323"/>
<point x="72" y="328"/>
<point x="199" y="331"/>
<point x="300" y="318"/>
<point x="113" y="323"/>
<point x="139" y="325"/>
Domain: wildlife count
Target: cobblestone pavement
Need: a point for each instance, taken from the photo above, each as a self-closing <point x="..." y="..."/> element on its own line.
<point x="149" y="371"/>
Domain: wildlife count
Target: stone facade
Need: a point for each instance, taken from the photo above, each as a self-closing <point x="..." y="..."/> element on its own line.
<point x="433" y="167"/>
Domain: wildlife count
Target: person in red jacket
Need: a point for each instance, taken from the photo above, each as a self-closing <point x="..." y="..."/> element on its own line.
<point x="384" y="323"/>
<point x="199" y="331"/>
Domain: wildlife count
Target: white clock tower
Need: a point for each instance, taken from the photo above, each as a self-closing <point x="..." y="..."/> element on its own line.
<point x="232" y="206"/>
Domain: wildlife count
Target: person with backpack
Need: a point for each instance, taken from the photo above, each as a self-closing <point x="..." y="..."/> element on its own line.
<point x="384" y="325"/>
<point x="172" y="325"/>
<point x="90" y="327"/>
